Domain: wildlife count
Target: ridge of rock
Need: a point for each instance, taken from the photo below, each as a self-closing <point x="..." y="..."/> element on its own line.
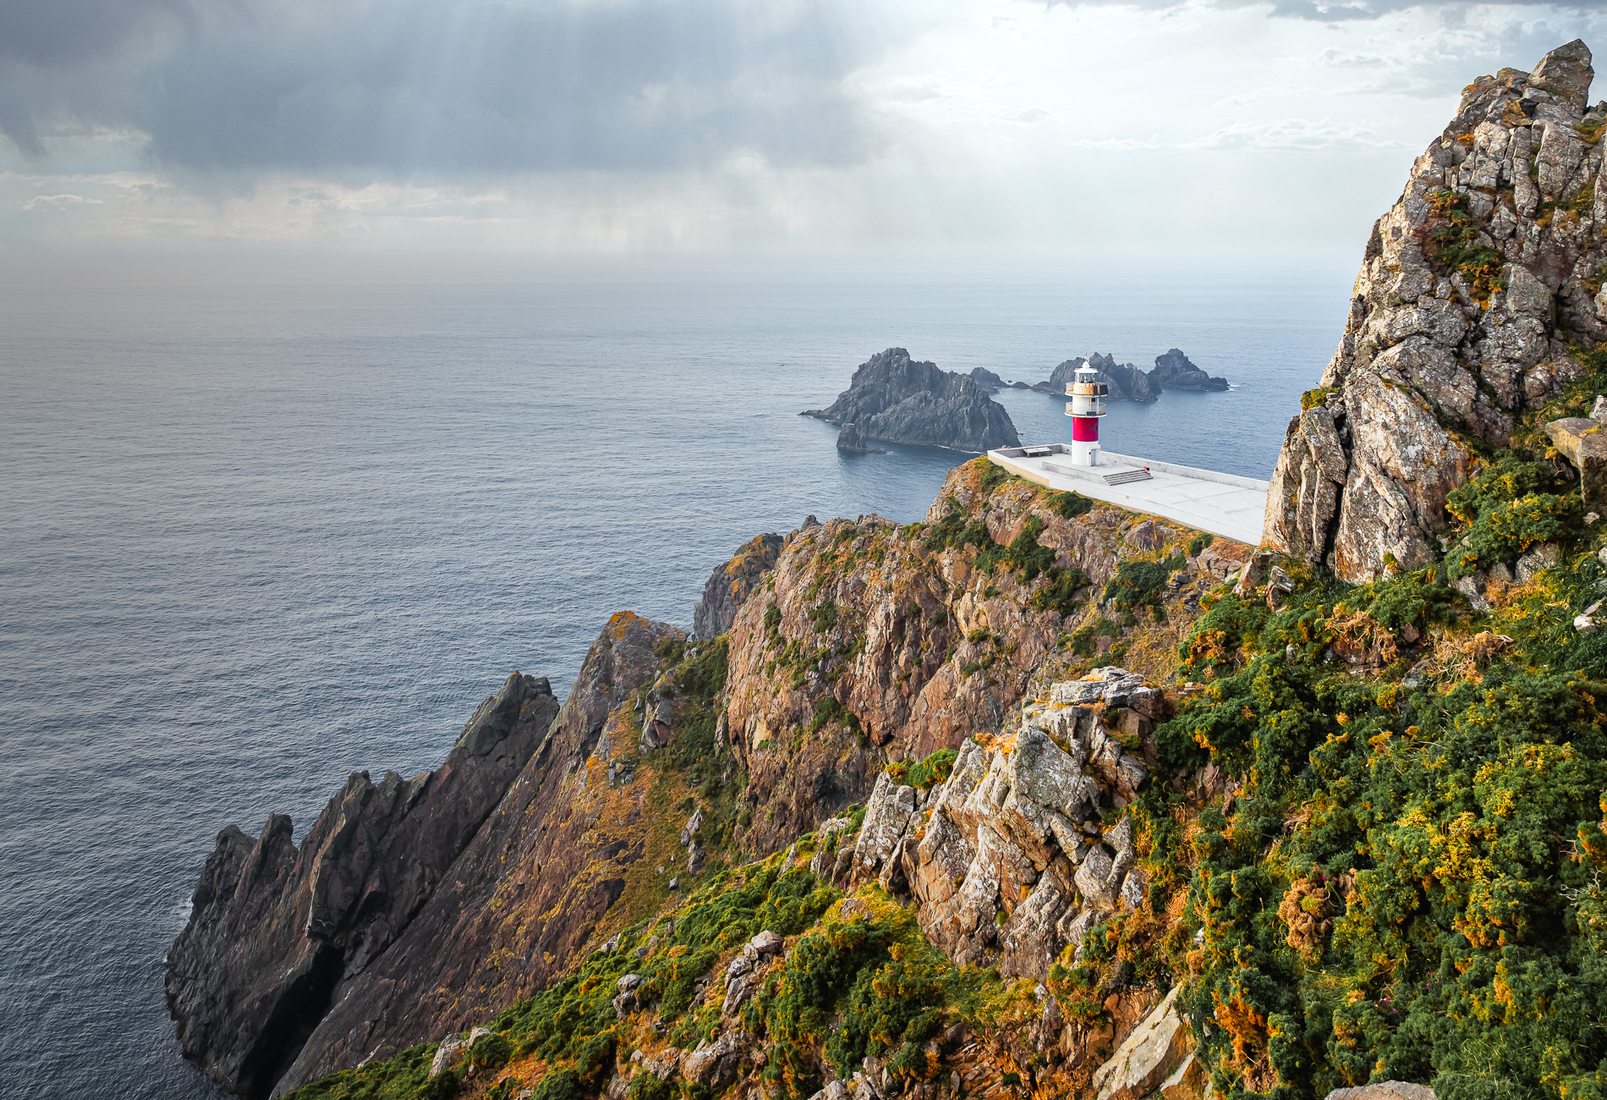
<point x="277" y="931"/>
<point x="1476" y="291"/>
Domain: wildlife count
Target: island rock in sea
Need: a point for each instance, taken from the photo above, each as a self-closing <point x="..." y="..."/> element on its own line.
<point x="1479" y="300"/>
<point x="1126" y="382"/>
<point x="1175" y="371"/>
<point x="895" y="399"/>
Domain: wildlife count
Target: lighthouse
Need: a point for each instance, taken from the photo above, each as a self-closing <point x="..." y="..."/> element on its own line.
<point x="1086" y="407"/>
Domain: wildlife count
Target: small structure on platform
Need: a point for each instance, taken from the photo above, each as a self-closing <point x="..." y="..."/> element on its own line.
<point x="1221" y="504"/>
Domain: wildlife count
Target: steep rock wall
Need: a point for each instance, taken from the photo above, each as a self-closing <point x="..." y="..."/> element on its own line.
<point x="1476" y="291"/>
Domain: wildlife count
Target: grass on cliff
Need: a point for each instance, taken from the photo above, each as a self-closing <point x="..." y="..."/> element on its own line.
<point x="1406" y="881"/>
<point x="858" y="979"/>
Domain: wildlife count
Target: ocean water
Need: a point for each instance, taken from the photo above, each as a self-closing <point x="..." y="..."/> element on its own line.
<point x="254" y="536"/>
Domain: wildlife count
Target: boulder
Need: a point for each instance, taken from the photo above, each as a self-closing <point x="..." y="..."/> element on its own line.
<point x="1383" y="1090"/>
<point x="1151" y="1054"/>
<point x="1584" y="444"/>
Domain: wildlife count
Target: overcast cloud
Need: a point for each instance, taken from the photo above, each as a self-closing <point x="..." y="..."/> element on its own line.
<point x="1105" y="126"/>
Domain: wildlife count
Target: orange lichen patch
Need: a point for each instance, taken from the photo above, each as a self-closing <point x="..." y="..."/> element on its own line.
<point x="1250" y="1036"/>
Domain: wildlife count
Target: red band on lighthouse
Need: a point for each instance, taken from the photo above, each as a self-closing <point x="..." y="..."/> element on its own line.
<point x="1084" y="429"/>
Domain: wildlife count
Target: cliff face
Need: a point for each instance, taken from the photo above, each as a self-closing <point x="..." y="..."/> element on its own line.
<point x="871" y="641"/>
<point x="895" y="399"/>
<point x="416" y="906"/>
<point x="1478" y="291"/>
<point x="279" y="932"/>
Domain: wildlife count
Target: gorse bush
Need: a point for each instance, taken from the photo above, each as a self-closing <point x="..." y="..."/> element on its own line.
<point x="1398" y="888"/>
<point x="1506" y="507"/>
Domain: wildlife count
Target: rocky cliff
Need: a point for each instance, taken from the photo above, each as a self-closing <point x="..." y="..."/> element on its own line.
<point x="279" y="932"/>
<point x="870" y="640"/>
<point x="416" y="906"/>
<point x="895" y="399"/>
<point x="1478" y="302"/>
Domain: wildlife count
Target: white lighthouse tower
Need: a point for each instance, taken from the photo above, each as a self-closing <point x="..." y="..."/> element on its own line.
<point x="1086" y="407"/>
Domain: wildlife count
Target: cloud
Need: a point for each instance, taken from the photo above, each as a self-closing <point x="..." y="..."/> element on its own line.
<point x="45" y="202"/>
<point x="389" y="89"/>
<point x="1337" y="11"/>
<point x="1293" y="134"/>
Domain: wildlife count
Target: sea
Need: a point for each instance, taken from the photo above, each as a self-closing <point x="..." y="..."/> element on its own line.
<point x="259" y="532"/>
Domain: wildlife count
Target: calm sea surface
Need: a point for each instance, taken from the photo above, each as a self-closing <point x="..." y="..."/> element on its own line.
<point x="253" y="538"/>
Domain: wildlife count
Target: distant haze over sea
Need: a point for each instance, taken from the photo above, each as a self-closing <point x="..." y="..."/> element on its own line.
<point x="260" y="535"/>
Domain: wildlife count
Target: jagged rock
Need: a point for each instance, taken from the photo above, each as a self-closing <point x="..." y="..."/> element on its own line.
<point x="1151" y="1053"/>
<point x="851" y="440"/>
<point x="363" y="938"/>
<point x="1126" y="382"/>
<point x="275" y="929"/>
<point x="1175" y="371"/>
<point x="895" y="399"/>
<point x="887" y="816"/>
<point x="1438" y="359"/>
<point x="1383" y="1090"/>
<point x="628" y="999"/>
<point x="730" y="585"/>
<point x="1584" y="444"/>
<point x="1586" y="621"/>
<point x="454" y="1047"/>
<point x="985" y="378"/>
<point x="714" y="1064"/>
<point x="1006" y="856"/>
<point x="743" y="975"/>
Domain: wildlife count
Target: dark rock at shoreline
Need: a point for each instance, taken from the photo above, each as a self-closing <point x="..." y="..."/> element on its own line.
<point x="852" y="441"/>
<point x="895" y="399"/>
<point x="1175" y="371"/>
<point x="278" y="931"/>
<point x="988" y="380"/>
<point x="395" y="920"/>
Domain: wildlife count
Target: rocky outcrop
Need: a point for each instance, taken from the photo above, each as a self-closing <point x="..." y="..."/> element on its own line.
<point x="408" y="912"/>
<point x="1384" y="1090"/>
<point x="1155" y="1060"/>
<point x="1011" y="858"/>
<point x="1476" y="291"/>
<point x="895" y="399"/>
<point x="730" y="585"/>
<point x="1172" y="371"/>
<point x="876" y="641"/>
<point x="1126" y="382"/>
<point x="851" y="440"/>
<point x="1175" y="371"/>
<point x="279" y="931"/>
<point x="1581" y="441"/>
<point x="988" y="380"/>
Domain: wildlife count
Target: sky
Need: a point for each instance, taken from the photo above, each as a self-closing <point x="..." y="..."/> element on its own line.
<point x="1195" y="132"/>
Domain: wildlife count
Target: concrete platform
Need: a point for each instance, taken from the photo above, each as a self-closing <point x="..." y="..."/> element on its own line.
<point x="1222" y="504"/>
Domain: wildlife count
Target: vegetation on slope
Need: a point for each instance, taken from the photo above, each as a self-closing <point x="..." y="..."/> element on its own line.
<point x="1405" y="881"/>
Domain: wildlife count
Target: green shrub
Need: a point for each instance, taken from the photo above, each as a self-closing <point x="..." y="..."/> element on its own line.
<point x="1507" y="506"/>
<point x="933" y="769"/>
<point x="1070" y="505"/>
<point x="1140" y="584"/>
